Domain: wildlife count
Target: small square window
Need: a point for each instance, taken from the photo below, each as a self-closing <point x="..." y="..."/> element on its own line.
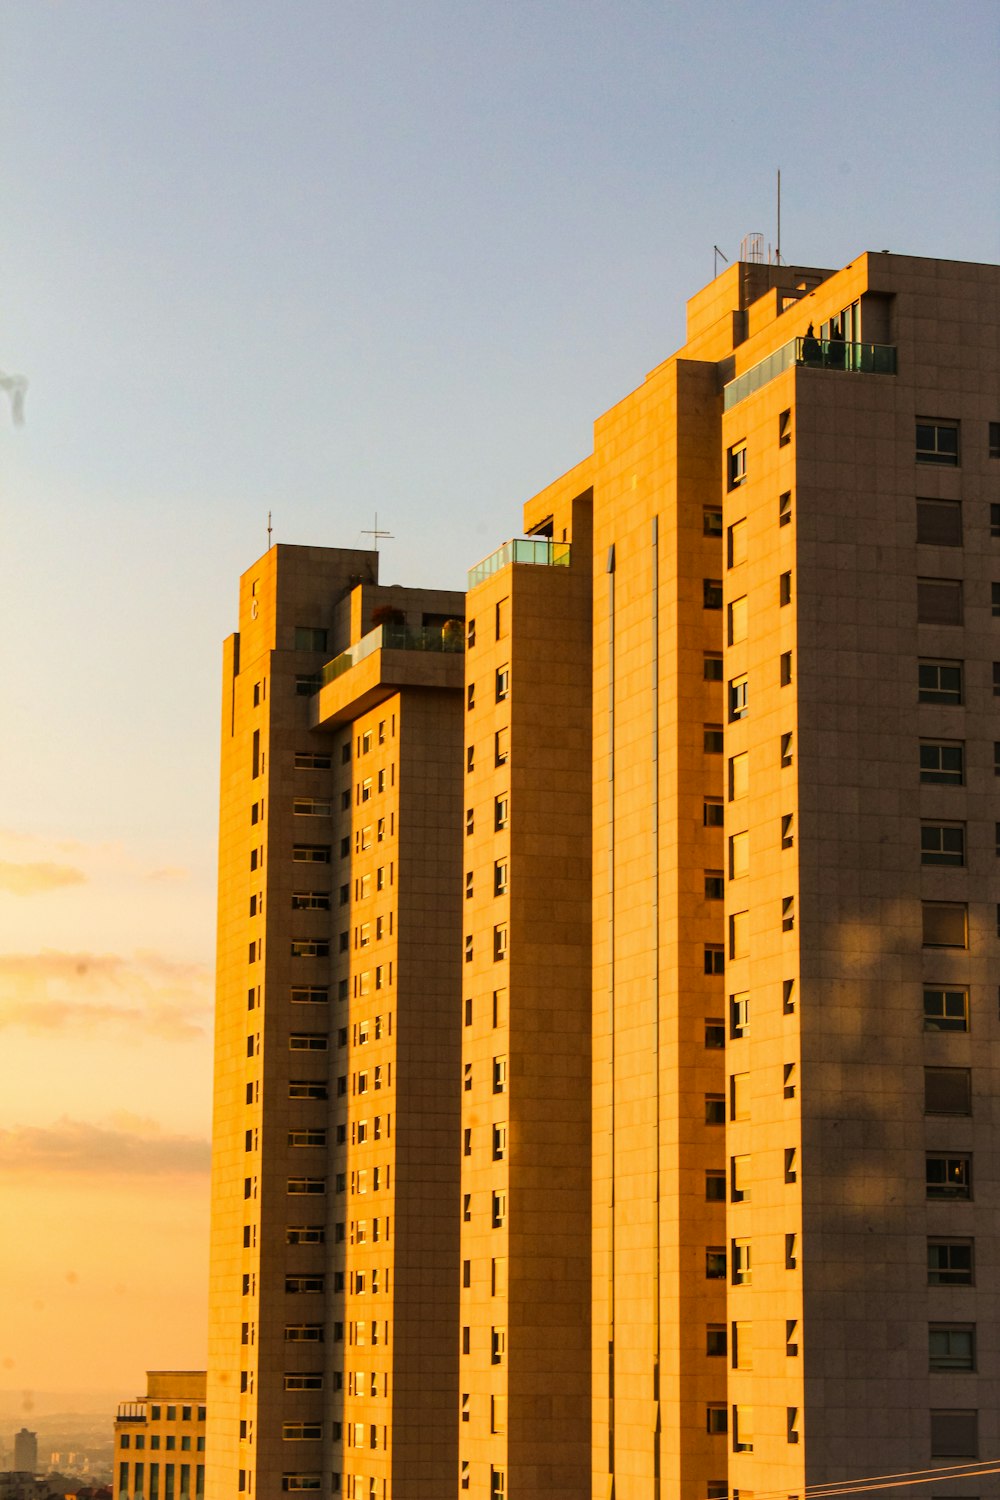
<point x="715" y="1187"/>
<point x="715" y="1034"/>
<point x="945" y="924"/>
<point x="711" y="589"/>
<point x="954" y="1434"/>
<point x="939" y="523"/>
<point x="715" y="958"/>
<point x="712" y="522"/>
<point x="942" y="764"/>
<point x="940" y="682"/>
<point x="937" y="442"/>
<point x="947" y="1091"/>
<point x="952" y="1346"/>
<point x="950" y="1263"/>
<point x="715" y="885"/>
<point x="942" y="843"/>
<point x="949" y="1175"/>
<point x="715" y="1263"/>
<point x="715" y="1340"/>
<point x="946" y="1010"/>
<point x="715" y="1109"/>
<point x="939" y="601"/>
<point x="713" y="812"/>
<point x="712" y="666"/>
<point x="712" y="741"/>
<point x="716" y="1420"/>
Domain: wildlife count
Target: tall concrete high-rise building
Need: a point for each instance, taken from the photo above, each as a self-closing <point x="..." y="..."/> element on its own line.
<point x="160" y="1439"/>
<point x="333" y="1338"/>
<point x="713" y="833"/>
<point x="26" y="1451"/>
<point x="790" y="535"/>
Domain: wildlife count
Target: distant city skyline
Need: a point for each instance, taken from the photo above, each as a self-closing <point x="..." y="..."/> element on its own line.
<point x="383" y="259"/>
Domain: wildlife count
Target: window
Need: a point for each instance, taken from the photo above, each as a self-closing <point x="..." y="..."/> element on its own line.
<point x="739" y="1096"/>
<point x="942" y="843"/>
<point x="498" y="1211"/>
<point x="712" y="666"/>
<point x="937" y="442"/>
<point x="499" y="1075"/>
<point x="498" y="1346"/>
<point x="788" y="1083"/>
<point x="939" y="601"/>
<point x="948" y="1091"/>
<point x="715" y="1340"/>
<point x="711" y="521"/>
<point x="785" y="589"/>
<point x="739" y="855"/>
<point x="739" y="1179"/>
<point x="787" y="826"/>
<point x="311" y="854"/>
<point x="792" y="1424"/>
<point x="715" y="1263"/>
<point x="739" y="934"/>
<point x="742" y="1269"/>
<point x="739" y="776"/>
<point x="791" y="1251"/>
<point x="954" y="1434"/>
<point x="738" y="706"/>
<point x="500" y="877"/>
<point x="470" y="696"/>
<point x="711" y="593"/>
<point x="311" y="760"/>
<point x="715" y="1109"/>
<point x="736" y="551"/>
<point x="313" y="900"/>
<point x="310" y="948"/>
<point x="785" y="508"/>
<point x="501" y="811"/>
<point x="303" y="1382"/>
<point x="785" y="668"/>
<point x="308" y="1041"/>
<point x="304" y="1333"/>
<point x="498" y="1480"/>
<point x="739" y="1014"/>
<point x="715" y="1187"/>
<point x="994" y="448"/>
<point x="737" y="620"/>
<point x="742" y="1346"/>
<point x="715" y="885"/>
<point x="716" y="1420"/>
<point x="499" y="942"/>
<point x="791" y="1341"/>
<point x="785" y="428"/>
<point x="715" y="1034"/>
<point x="736" y="465"/>
<point x="713" y="814"/>
<point x="307" y="1089"/>
<point x="952" y="1346"/>
<point x="942" y="764"/>
<point x="300" y="1186"/>
<point x="501" y="746"/>
<point x="309" y="994"/>
<point x="787" y="741"/>
<point x="787" y="913"/>
<point x="500" y="1141"/>
<point x="945" y="924"/>
<point x="939" y="682"/>
<point x="502" y="682"/>
<point x="742" y="1429"/>
<point x="949" y="1175"/>
<point x="307" y="1137"/>
<point x="715" y="959"/>
<point x="949" y="1262"/>
<point x="791" y="1158"/>
<point x="996" y="679"/>
<point x="939" y="523"/>
<point x="995" y="520"/>
<point x="307" y="683"/>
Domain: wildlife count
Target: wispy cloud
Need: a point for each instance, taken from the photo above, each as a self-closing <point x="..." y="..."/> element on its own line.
<point x="125" y="1146"/>
<point x="168" y="874"/>
<point x="34" y="879"/>
<point x="140" y="995"/>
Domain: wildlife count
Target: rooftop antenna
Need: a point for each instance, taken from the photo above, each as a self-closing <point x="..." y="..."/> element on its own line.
<point x="269" y="531"/>
<point x="777" y="248"/>
<point x="376" y="534"/>
<point x="718" y="252"/>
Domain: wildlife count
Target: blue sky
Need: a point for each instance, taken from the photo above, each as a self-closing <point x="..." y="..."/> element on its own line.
<point x="330" y="259"/>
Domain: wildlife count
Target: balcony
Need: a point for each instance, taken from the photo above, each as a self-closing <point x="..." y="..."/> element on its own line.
<point x="812" y="354"/>
<point x="523" y="549"/>
<point x="391" y="637"/>
<point x="131" y="1411"/>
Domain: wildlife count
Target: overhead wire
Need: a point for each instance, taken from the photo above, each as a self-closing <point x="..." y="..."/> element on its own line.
<point x="830" y="1489"/>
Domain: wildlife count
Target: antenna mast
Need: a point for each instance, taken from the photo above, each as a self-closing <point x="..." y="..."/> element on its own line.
<point x="777" y="248"/>
<point x="376" y="534"/>
<point x="269" y="531"/>
<point x="715" y="269"/>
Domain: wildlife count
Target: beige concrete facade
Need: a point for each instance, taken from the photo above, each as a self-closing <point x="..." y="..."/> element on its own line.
<point x="333" y="1337"/>
<point x="160" y="1439"/>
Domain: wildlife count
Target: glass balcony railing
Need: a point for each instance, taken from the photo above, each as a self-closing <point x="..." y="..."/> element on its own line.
<point x="815" y="354"/>
<point x="393" y="637"/>
<point x="522" y="549"/>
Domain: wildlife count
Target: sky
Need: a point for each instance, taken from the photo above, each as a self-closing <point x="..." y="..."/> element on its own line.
<point x="332" y="260"/>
